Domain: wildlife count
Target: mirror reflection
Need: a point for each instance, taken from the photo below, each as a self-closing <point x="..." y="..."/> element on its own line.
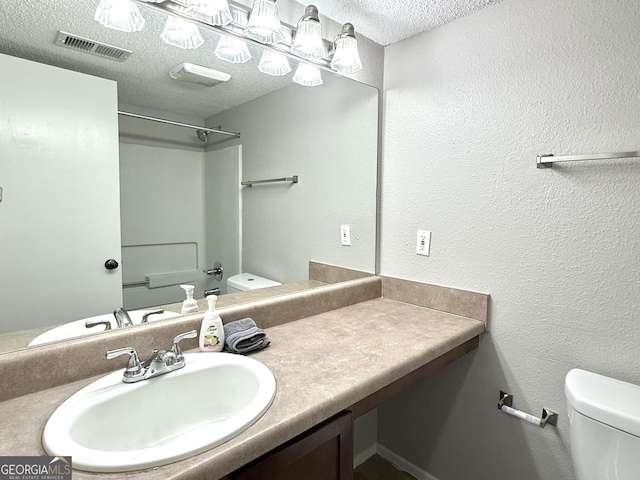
<point x="83" y="185"/>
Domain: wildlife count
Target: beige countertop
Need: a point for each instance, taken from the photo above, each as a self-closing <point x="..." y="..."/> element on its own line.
<point x="322" y="364"/>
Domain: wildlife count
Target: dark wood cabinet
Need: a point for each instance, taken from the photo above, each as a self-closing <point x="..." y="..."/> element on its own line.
<point x="323" y="453"/>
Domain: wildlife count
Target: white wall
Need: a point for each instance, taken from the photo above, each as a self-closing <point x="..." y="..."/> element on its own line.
<point x="223" y="213"/>
<point x="328" y="137"/>
<point x="468" y="107"/>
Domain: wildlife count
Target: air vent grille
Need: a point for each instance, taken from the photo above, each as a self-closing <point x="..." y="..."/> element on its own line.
<point x="86" y="45"/>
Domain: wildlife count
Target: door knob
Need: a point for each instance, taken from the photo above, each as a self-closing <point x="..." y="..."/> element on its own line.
<point x="111" y="264"/>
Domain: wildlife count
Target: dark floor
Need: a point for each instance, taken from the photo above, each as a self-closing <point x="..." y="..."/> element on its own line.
<point x="377" y="468"/>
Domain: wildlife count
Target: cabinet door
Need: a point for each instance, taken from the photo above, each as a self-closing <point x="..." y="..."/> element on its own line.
<point x="322" y="453"/>
<point x="60" y="209"/>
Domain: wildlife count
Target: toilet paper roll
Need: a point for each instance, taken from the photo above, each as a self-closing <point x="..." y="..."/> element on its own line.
<point x="522" y="415"/>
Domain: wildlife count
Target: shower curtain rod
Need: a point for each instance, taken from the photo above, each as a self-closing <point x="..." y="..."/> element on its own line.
<point x="178" y="124"/>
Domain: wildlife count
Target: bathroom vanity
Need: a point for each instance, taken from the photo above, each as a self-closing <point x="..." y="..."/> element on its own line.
<point x="337" y="352"/>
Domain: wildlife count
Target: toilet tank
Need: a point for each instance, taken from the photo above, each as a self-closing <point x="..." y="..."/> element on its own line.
<point x="604" y="418"/>
<point x="243" y="282"/>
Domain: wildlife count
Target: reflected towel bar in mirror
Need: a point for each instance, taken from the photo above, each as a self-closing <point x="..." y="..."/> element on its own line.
<point x="250" y="183"/>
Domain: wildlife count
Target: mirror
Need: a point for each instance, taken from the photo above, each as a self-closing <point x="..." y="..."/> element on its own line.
<point x="180" y="211"/>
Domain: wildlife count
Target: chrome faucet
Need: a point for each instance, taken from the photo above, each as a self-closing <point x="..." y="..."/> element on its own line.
<point x="122" y="318"/>
<point x="162" y="361"/>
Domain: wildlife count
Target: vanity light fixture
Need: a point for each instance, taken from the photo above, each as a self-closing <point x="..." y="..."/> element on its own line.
<point x="213" y="12"/>
<point x="307" y="75"/>
<point x="274" y="64"/>
<point x="232" y="50"/>
<point x="346" y="58"/>
<point x="264" y="22"/>
<point x="182" y="34"/>
<point x="122" y="15"/>
<point x="307" y="43"/>
<point x="238" y="26"/>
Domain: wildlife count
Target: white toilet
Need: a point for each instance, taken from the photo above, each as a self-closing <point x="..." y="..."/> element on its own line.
<point x="243" y="282"/>
<point x="604" y="418"/>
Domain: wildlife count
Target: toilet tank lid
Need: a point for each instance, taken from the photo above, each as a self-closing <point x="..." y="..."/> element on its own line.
<point x="606" y="400"/>
<point x="249" y="281"/>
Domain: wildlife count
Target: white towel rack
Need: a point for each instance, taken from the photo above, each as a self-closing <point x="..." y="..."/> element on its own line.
<point x="250" y="183"/>
<point x="547" y="161"/>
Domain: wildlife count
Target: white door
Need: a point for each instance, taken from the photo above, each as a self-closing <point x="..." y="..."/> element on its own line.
<point x="60" y="207"/>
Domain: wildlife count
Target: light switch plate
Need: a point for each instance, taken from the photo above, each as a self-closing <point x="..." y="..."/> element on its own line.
<point x="423" y="244"/>
<point x="345" y="234"/>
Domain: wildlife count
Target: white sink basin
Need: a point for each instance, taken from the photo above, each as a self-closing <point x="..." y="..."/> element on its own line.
<point x="111" y="426"/>
<point x="78" y="329"/>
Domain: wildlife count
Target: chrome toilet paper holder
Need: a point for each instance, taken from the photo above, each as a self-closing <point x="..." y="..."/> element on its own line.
<point x="548" y="417"/>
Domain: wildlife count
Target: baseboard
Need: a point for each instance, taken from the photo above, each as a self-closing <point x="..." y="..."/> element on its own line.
<point x="403" y="464"/>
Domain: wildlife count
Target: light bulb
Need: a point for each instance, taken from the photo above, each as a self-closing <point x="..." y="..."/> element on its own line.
<point x="264" y="22"/>
<point x="308" y="40"/>
<point x="232" y="50"/>
<point x="273" y="63"/>
<point x="122" y="15"/>
<point x="346" y="58"/>
<point x="307" y="75"/>
<point x="180" y="33"/>
<point x="215" y="12"/>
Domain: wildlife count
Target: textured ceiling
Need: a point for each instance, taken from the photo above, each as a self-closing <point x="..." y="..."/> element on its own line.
<point x="389" y="21"/>
<point x="29" y="29"/>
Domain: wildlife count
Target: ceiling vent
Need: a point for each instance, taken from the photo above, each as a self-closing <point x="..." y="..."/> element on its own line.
<point x="92" y="47"/>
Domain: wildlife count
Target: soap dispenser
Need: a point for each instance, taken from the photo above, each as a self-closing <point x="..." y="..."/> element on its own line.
<point x="189" y="305"/>
<point x="211" y="331"/>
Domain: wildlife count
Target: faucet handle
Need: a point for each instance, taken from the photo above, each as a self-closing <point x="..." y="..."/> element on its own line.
<point x="176" y="347"/>
<point x="106" y="323"/>
<point x="145" y="317"/>
<point x="134" y="367"/>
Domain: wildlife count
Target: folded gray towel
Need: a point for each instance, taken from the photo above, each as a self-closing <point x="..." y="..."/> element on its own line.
<point x="243" y="336"/>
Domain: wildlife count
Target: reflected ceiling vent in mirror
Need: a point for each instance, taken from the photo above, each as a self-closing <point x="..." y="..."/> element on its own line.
<point x="75" y="42"/>
<point x="189" y="72"/>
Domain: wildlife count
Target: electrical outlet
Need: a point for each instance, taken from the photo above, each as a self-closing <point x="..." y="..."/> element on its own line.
<point x="423" y="244"/>
<point x="345" y="235"/>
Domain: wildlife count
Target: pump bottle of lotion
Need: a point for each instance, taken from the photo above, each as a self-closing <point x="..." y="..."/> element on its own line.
<point x="190" y="305"/>
<point x="211" y="331"/>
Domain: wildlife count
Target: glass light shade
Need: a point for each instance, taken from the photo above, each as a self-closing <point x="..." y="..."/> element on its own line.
<point x="215" y="12"/>
<point x="307" y="75"/>
<point x="180" y="33"/>
<point x="346" y="58"/>
<point x="122" y="15"/>
<point x="308" y="41"/>
<point x="264" y="22"/>
<point x="232" y="50"/>
<point x="273" y="63"/>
